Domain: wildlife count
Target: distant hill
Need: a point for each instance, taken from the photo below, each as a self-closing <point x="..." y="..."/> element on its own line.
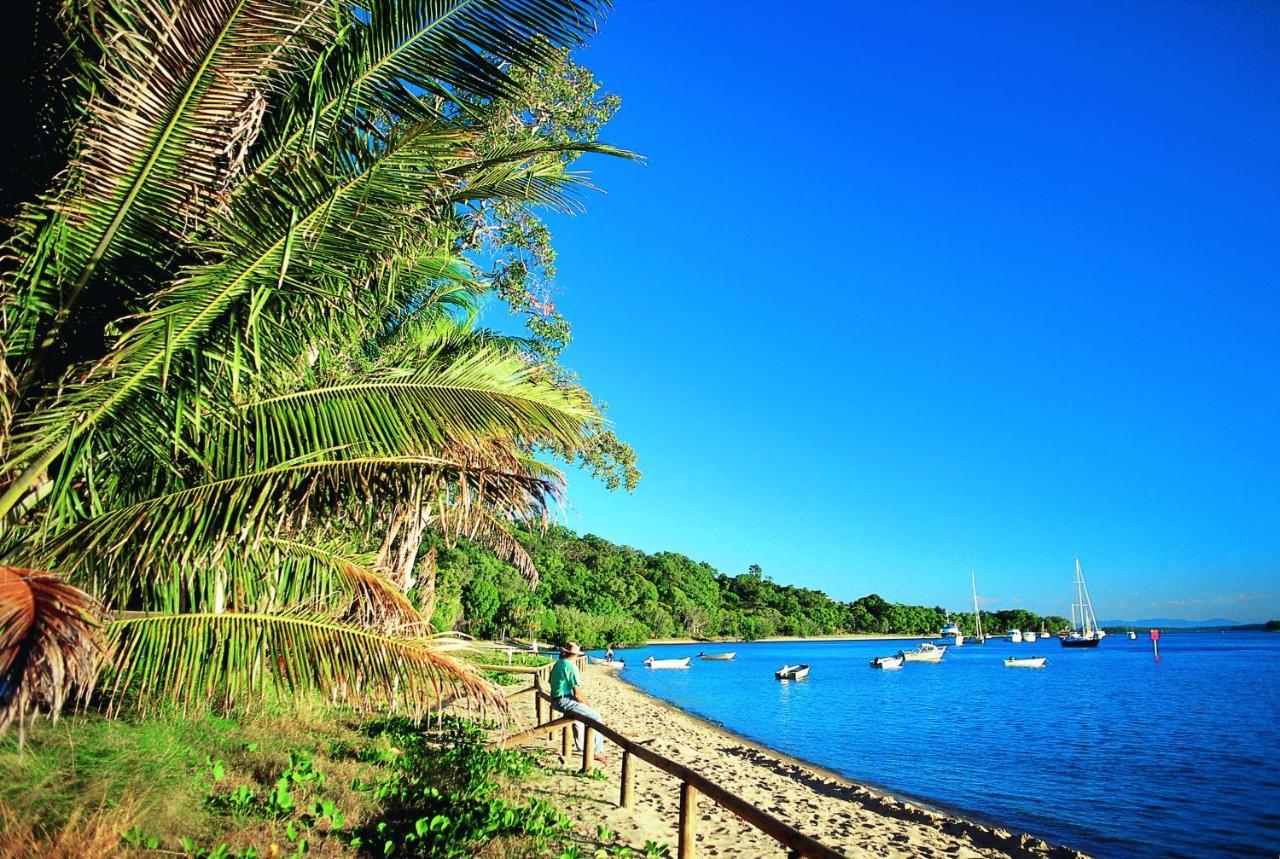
<point x="1172" y="623"/>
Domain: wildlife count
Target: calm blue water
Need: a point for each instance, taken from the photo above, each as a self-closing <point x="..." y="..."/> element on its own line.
<point x="1107" y="750"/>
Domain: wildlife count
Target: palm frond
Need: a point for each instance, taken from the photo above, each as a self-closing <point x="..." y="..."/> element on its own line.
<point x="197" y="660"/>
<point x="177" y="99"/>
<point x="203" y="522"/>
<point x="48" y="644"/>
<point x="404" y="49"/>
<point x="480" y="395"/>
<point x="307" y="572"/>
<point x="348" y="233"/>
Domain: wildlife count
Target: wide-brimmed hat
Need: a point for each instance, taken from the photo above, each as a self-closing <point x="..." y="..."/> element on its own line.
<point x="572" y="649"/>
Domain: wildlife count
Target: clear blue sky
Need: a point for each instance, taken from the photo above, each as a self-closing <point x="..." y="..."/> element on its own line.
<point x="908" y="290"/>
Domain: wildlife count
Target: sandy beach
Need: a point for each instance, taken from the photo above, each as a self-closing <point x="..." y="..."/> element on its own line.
<point x="849" y="817"/>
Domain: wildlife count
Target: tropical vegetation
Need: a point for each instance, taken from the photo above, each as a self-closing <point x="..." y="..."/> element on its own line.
<point x="597" y="592"/>
<point x="241" y="379"/>
<point x="306" y="780"/>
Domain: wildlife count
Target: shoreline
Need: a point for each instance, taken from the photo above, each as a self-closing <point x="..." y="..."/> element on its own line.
<point x="853" y="817"/>
<point x="875" y="787"/>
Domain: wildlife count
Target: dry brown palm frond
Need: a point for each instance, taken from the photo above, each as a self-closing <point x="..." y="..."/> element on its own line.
<point x="48" y="644"/>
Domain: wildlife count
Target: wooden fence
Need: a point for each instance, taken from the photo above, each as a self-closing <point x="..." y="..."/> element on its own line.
<point x="691" y="783"/>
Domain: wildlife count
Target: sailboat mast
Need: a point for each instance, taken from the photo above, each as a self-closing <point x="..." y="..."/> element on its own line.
<point x="977" y="616"/>
<point x="1084" y="622"/>
<point x="1084" y="591"/>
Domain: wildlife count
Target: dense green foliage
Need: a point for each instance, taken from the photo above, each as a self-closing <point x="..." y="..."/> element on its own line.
<point x="240" y="370"/>
<point x="596" y="592"/>
<point x="292" y="782"/>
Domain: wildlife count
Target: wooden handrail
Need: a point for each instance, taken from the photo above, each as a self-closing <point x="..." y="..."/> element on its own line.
<point x="795" y="841"/>
<point x="515" y="669"/>
<point x="544" y="728"/>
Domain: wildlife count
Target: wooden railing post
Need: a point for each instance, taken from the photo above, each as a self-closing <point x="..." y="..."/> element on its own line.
<point x="626" y="795"/>
<point x="688" y="820"/>
<point x="588" y="749"/>
<point x="537" y="701"/>
<point x="566" y="742"/>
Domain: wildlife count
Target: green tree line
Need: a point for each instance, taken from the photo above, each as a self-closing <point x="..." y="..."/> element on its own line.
<point x="597" y="592"/>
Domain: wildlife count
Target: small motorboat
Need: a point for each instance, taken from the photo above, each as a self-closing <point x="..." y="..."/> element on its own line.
<point x="1025" y="662"/>
<point x="668" y="663"/>
<point x="887" y="662"/>
<point x="721" y="657"/>
<point x="792" y="672"/>
<point x="1029" y="637"/>
<point x="607" y="664"/>
<point x="1015" y="636"/>
<point x="926" y="652"/>
<point x="1132" y="635"/>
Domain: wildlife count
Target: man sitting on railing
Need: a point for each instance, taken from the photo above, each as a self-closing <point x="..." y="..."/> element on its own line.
<point x="567" y="697"/>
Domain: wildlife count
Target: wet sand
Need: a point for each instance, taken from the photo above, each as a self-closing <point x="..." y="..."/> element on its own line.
<point x="852" y="818"/>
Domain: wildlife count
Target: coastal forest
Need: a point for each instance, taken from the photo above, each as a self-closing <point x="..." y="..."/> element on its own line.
<point x="596" y="592"/>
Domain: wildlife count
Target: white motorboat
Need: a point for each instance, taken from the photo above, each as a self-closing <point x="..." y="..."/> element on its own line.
<point x="926" y="652"/>
<point x="1087" y="633"/>
<point x="718" y="657"/>
<point x="887" y="662"/>
<point x="950" y="629"/>
<point x="1015" y="636"/>
<point x="1025" y="662"/>
<point x="792" y="672"/>
<point x="1132" y="635"/>
<point x="668" y="663"/>
<point x="1029" y="637"/>
<point x="607" y="664"/>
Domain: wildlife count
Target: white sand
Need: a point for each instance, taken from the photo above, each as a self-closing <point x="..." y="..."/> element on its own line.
<point x="849" y="817"/>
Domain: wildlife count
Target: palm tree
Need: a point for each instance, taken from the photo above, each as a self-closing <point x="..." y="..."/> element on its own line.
<point x="236" y="353"/>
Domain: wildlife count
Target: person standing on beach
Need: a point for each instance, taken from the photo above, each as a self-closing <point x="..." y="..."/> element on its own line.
<point x="567" y="697"/>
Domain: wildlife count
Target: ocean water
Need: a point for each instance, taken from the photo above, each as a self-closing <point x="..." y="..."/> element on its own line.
<point x="1108" y="751"/>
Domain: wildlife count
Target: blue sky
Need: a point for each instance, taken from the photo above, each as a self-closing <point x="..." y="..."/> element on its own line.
<point x="909" y="290"/>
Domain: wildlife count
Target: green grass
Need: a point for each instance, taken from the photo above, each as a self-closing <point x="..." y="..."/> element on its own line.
<point x="281" y="782"/>
<point x="162" y="768"/>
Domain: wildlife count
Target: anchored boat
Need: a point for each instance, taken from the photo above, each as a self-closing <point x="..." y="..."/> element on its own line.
<point x="792" y="672"/>
<point x="1088" y="633"/>
<point x="668" y="663"/>
<point x="1025" y="662"/>
<point x="607" y="664"/>
<point x="722" y="657"/>
<point x="887" y="662"/>
<point x="926" y="652"/>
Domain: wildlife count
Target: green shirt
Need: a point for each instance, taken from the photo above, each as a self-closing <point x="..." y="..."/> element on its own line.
<point x="564" y="676"/>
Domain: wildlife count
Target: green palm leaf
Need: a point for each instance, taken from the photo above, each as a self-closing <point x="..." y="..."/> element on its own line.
<point x="479" y="395"/>
<point x="204" y="522"/>
<point x="195" y="660"/>
<point x="177" y="100"/>
<point x="353" y="232"/>
<point x="402" y="49"/>
<point x="311" y="573"/>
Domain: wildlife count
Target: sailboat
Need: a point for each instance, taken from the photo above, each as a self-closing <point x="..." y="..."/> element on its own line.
<point x="1087" y="633"/>
<point x="977" y="615"/>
